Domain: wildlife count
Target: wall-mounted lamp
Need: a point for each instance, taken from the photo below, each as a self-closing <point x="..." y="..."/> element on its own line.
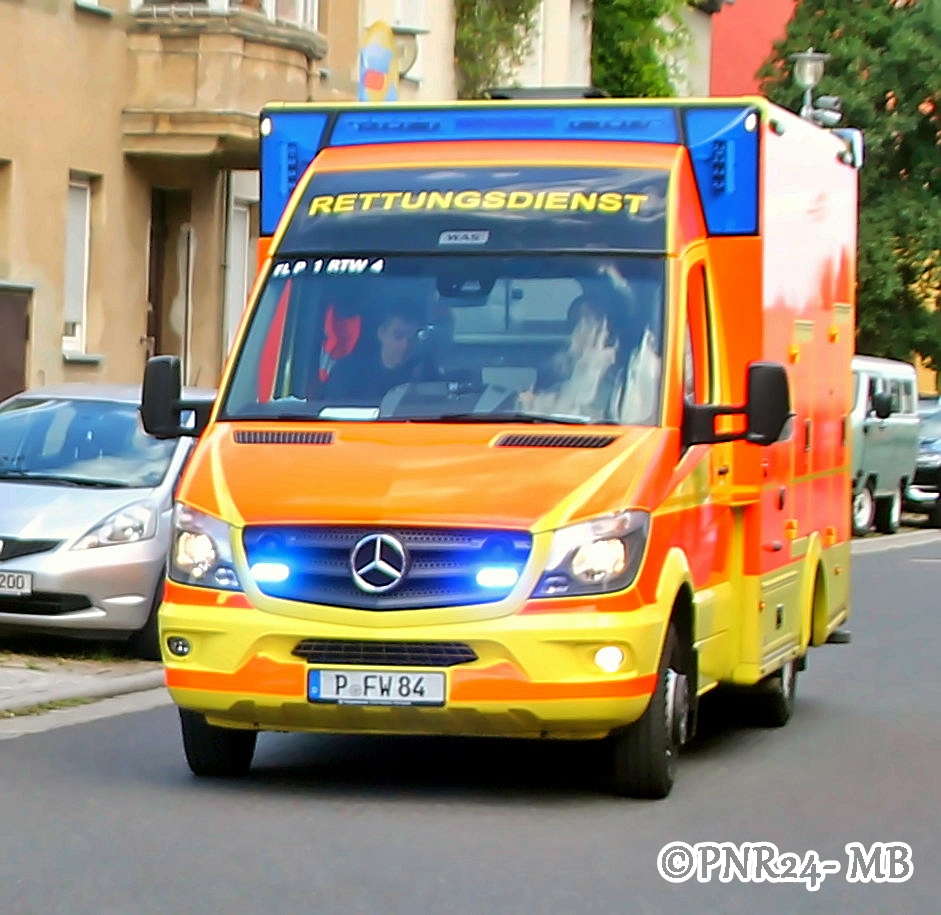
<point x="406" y="46"/>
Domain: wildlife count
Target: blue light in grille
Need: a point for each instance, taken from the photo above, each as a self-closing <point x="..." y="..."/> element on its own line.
<point x="498" y="577"/>
<point x="270" y="572"/>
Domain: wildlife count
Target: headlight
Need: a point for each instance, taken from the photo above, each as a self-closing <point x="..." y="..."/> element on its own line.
<point x="596" y="557"/>
<point x="201" y="551"/>
<point x="127" y="525"/>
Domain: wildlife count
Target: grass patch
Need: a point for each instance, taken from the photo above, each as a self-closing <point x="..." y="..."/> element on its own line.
<point x="62" y="649"/>
<point x="44" y="707"/>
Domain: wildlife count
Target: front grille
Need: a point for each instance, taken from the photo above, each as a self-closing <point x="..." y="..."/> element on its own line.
<point x="40" y="603"/>
<point x="283" y="437"/>
<point x="11" y="548"/>
<point x="384" y="654"/>
<point x="527" y="440"/>
<point x="441" y="564"/>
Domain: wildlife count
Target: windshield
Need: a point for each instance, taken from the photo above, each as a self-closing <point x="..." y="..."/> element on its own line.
<point x="567" y="338"/>
<point x="79" y="442"/>
<point x="931" y="427"/>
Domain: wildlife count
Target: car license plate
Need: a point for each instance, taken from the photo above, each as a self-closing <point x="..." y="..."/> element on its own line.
<point x="376" y="687"/>
<point x="16" y="584"/>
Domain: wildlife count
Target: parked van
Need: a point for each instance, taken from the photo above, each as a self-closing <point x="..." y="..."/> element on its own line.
<point x="885" y="424"/>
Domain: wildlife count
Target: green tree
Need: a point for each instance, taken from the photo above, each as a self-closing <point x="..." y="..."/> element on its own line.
<point x="884" y="68"/>
<point x="491" y="39"/>
<point x="633" y="44"/>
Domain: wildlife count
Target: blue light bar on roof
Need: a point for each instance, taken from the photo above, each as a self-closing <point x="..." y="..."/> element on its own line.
<point x="723" y="144"/>
<point x="649" y="125"/>
<point x="293" y="138"/>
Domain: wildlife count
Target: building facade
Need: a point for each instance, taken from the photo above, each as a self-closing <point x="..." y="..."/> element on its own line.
<point x="128" y="157"/>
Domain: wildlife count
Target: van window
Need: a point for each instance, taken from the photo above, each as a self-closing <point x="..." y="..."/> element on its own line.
<point x="575" y="338"/>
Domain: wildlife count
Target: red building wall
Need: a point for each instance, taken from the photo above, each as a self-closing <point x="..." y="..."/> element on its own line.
<point x="742" y="35"/>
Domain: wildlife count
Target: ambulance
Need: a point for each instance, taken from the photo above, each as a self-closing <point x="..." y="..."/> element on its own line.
<point x="535" y="427"/>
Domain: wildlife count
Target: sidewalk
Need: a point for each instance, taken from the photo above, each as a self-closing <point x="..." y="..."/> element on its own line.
<point x="30" y="682"/>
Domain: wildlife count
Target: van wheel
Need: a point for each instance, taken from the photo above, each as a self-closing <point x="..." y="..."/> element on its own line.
<point x="889" y="512"/>
<point x="213" y="751"/>
<point x="864" y="510"/>
<point x="773" y="698"/>
<point x="643" y="756"/>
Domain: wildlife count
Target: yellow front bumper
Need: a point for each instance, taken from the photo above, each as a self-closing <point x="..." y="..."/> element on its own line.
<point x="535" y="673"/>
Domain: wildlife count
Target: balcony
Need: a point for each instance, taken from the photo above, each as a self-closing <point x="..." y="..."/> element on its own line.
<point x="199" y="74"/>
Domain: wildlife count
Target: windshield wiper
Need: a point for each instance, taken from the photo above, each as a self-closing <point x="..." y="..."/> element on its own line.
<point x="508" y="417"/>
<point x="65" y="481"/>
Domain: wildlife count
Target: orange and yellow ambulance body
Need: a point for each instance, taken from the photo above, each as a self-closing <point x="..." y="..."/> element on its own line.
<point x="536" y="426"/>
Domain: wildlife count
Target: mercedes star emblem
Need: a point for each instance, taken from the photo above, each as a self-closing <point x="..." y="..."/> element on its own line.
<point x="378" y="562"/>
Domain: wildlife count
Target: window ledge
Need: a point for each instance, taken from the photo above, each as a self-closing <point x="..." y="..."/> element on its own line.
<point x="85" y="6"/>
<point x="82" y="358"/>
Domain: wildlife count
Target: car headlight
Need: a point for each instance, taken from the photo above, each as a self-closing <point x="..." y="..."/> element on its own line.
<point x="201" y="551"/>
<point x="127" y="525"/>
<point x="595" y="557"/>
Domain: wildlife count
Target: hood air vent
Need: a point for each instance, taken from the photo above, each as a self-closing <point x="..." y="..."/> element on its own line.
<point x="524" y="440"/>
<point x="284" y="438"/>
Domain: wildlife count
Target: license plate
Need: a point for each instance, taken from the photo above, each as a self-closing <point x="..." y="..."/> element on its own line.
<point x="375" y="687"/>
<point x="17" y="584"/>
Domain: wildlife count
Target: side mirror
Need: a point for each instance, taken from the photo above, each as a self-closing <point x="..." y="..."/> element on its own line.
<point x="768" y="406"/>
<point x="882" y="404"/>
<point x="164" y="413"/>
<point x="767" y="411"/>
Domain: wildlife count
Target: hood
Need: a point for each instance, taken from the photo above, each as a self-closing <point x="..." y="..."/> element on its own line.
<point x="417" y="473"/>
<point x="44" y="511"/>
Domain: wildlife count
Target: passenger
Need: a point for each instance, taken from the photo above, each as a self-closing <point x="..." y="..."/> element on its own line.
<point x="579" y="380"/>
<point x="366" y="377"/>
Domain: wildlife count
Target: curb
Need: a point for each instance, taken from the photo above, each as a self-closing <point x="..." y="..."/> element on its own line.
<point x="106" y="689"/>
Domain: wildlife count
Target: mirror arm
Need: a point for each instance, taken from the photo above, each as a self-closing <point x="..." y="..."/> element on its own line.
<point x="702" y="428"/>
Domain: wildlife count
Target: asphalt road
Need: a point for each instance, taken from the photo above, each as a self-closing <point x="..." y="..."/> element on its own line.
<point x="103" y="817"/>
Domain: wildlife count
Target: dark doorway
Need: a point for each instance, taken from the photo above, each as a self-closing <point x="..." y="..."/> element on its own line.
<point x="156" y="272"/>
<point x="14" y="338"/>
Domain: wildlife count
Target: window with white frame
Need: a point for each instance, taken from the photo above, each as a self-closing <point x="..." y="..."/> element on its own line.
<point x="305" y="13"/>
<point x="77" y="250"/>
<point x="240" y="268"/>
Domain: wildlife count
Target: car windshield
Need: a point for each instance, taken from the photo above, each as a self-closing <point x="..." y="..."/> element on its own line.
<point x="931" y="426"/>
<point x="440" y="338"/>
<point x="79" y="443"/>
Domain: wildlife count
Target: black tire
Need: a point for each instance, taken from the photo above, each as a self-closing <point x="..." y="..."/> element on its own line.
<point x="888" y="514"/>
<point x="145" y="643"/>
<point x="863" y="510"/>
<point x="773" y="699"/>
<point x="216" y="752"/>
<point x="934" y="516"/>
<point x="643" y="756"/>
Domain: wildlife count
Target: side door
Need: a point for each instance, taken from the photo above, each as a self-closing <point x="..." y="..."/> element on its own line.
<point x="877" y="443"/>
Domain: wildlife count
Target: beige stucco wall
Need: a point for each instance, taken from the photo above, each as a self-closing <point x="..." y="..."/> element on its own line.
<point x="63" y="116"/>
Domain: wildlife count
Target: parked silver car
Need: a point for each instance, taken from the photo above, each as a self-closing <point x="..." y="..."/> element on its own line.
<point x="85" y="503"/>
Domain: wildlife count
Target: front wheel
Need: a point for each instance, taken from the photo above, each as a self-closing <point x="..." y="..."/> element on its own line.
<point x="864" y="509"/>
<point x="213" y="751"/>
<point x="644" y="755"/>
<point x="774" y="697"/>
<point x="889" y="512"/>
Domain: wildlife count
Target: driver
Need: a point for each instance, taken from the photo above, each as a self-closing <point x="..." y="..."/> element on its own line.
<point x="366" y="377"/>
